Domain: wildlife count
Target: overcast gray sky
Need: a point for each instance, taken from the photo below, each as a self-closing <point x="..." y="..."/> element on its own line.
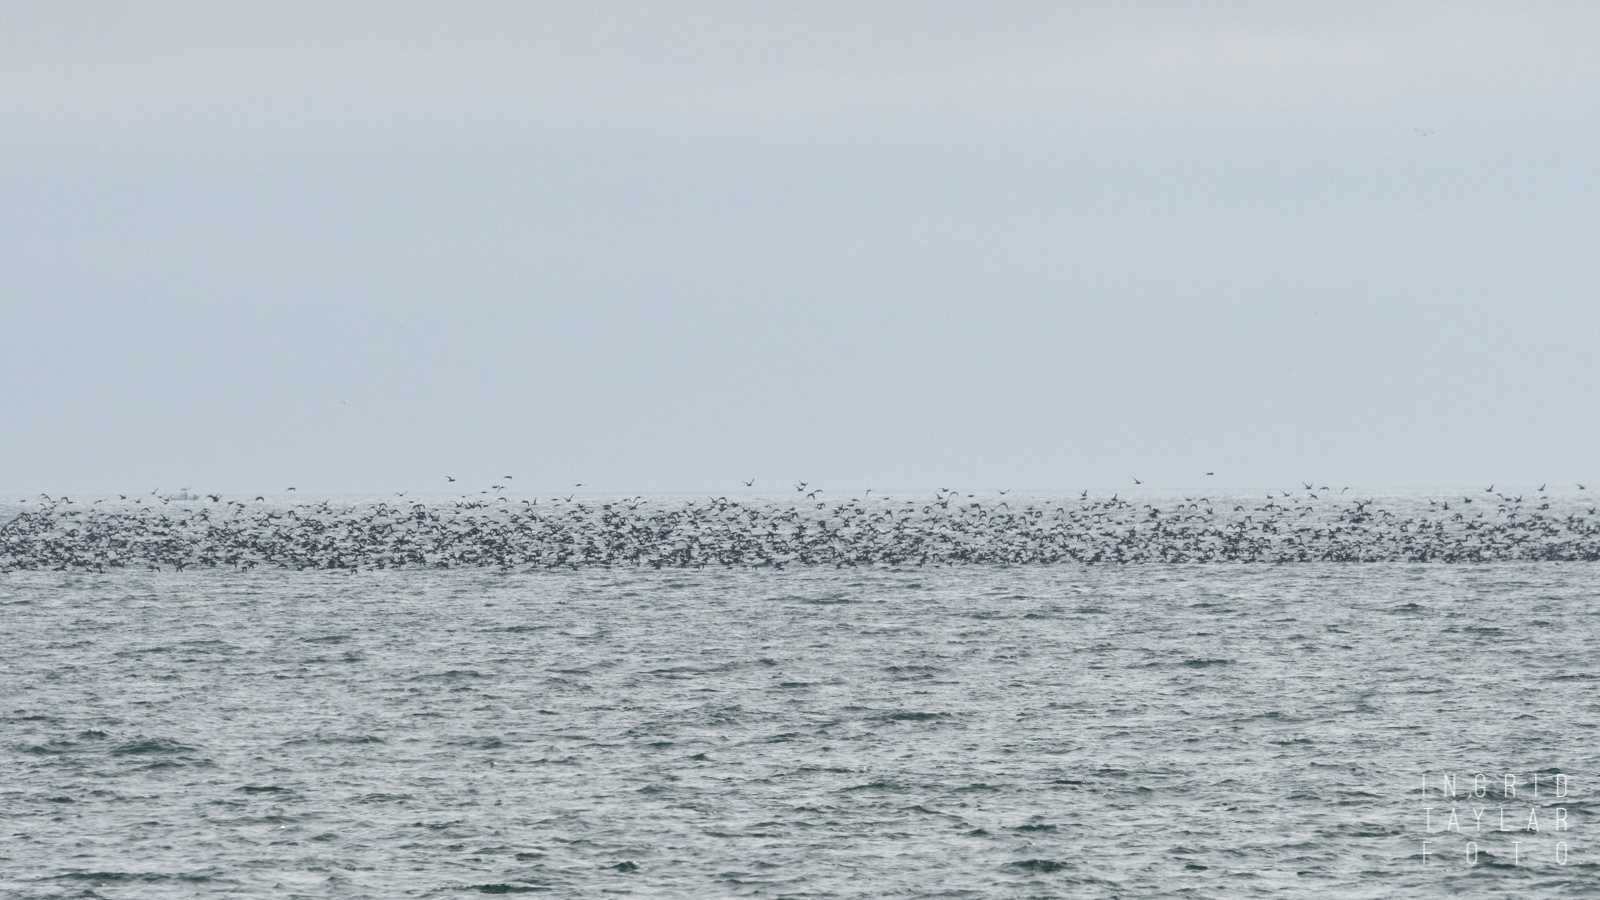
<point x="672" y="246"/>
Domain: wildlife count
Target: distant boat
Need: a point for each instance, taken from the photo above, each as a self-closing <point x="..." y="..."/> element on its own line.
<point x="183" y="495"/>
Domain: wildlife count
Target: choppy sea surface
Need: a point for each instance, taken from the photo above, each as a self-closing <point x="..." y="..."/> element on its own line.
<point x="978" y="731"/>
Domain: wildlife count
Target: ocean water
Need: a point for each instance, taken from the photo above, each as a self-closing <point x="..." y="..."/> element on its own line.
<point x="959" y="731"/>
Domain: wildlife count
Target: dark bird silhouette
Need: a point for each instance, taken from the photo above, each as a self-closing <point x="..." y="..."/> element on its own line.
<point x="448" y="478"/>
<point x="750" y="483"/>
<point x="1137" y="481"/>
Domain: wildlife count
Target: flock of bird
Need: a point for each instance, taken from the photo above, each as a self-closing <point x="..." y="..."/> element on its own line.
<point x="805" y="528"/>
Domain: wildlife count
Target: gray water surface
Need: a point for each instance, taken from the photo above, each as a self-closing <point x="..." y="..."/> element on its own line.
<point x="979" y="731"/>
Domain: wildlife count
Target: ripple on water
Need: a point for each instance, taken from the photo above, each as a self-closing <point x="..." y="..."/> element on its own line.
<point x="1207" y="732"/>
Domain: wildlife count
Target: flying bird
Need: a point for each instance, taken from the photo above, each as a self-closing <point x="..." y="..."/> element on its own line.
<point x="750" y="483"/>
<point x="1137" y="481"/>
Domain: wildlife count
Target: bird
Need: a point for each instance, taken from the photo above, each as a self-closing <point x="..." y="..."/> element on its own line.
<point x="56" y="533"/>
<point x="291" y="489"/>
<point x="750" y="483"/>
<point x="1137" y="481"/>
<point x="1211" y="473"/>
<point x="448" y="478"/>
<point x="1423" y="133"/>
<point x="1582" y="488"/>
